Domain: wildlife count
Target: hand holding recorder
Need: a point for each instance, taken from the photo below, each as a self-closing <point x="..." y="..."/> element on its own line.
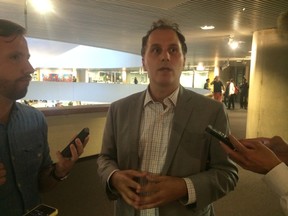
<point x="220" y="136"/>
<point x="69" y="155"/>
<point x="82" y="136"/>
<point x="252" y="155"/>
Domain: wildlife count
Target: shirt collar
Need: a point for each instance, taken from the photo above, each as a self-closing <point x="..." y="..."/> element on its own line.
<point x="172" y="97"/>
<point x="13" y="111"/>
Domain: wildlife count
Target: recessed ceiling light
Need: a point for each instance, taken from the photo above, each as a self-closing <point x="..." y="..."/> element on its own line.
<point x="234" y="44"/>
<point x="207" y="27"/>
<point x="42" y="6"/>
<point x="200" y="67"/>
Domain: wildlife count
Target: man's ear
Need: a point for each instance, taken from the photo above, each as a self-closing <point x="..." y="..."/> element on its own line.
<point x="184" y="62"/>
<point x="143" y="64"/>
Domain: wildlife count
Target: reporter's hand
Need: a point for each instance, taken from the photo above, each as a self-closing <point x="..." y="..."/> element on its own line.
<point x="252" y="155"/>
<point x="279" y="147"/>
<point x="276" y="144"/>
<point x="2" y="174"/>
<point x="64" y="165"/>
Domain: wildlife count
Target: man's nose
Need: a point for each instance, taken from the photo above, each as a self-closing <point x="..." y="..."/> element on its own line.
<point x="29" y="68"/>
<point x="165" y="56"/>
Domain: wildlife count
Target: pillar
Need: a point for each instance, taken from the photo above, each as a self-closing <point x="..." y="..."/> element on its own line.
<point x="268" y="93"/>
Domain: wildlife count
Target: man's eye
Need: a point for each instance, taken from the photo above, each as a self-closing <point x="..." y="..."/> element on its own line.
<point x="15" y="57"/>
<point x="155" y="50"/>
<point x="173" y="50"/>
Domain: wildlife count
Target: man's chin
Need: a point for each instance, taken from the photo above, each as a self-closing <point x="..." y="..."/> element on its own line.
<point x="166" y="84"/>
<point x="19" y="95"/>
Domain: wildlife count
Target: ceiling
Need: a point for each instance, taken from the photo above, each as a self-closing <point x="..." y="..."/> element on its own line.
<point x="121" y="24"/>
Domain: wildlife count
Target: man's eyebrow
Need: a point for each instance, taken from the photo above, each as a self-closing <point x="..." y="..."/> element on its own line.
<point x="174" y="45"/>
<point x="16" y="52"/>
<point x="155" y="44"/>
<point x="170" y="45"/>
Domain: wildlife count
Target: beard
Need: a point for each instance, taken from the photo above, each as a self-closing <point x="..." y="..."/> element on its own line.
<point x="12" y="90"/>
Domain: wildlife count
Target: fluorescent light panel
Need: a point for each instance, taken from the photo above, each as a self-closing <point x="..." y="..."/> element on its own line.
<point x="207" y="27"/>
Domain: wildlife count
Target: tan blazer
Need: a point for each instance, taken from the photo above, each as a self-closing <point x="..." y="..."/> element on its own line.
<point x="191" y="152"/>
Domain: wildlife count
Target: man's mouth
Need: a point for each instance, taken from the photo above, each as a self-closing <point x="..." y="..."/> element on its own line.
<point x="164" y="69"/>
<point x="25" y="79"/>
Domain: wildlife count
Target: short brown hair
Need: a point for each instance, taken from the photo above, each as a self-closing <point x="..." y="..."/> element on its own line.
<point x="8" y="29"/>
<point x="164" y="24"/>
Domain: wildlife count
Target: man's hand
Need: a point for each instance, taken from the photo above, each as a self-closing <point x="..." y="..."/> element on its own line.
<point x="276" y="144"/>
<point x="161" y="190"/>
<point x="127" y="184"/>
<point x="252" y="155"/>
<point x="64" y="165"/>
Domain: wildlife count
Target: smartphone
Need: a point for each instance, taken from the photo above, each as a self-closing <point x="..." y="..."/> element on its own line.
<point x="219" y="135"/>
<point x="82" y="135"/>
<point x="42" y="210"/>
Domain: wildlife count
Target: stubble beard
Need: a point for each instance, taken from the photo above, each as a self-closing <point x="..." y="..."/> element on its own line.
<point x="12" y="92"/>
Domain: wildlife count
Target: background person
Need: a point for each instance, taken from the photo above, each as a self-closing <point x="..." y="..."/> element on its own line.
<point x="218" y="87"/>
<point x="163" y="141"/>
<point x="231" y="94"/>
<point x="244" y="88"/>
<point x="207" y="83"/>
<point x="25" y="164"/>
<point x="267" y="156"/>
<point x="226" y="94"/>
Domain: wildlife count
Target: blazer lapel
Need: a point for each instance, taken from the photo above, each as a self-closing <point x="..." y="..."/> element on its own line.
<point x="183" y="111"/>
<point x="134" y="118"/>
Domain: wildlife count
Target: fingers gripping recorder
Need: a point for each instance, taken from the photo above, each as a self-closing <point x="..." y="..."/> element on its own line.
<point x="82" y="135"/>
<point x="219" y="135"/>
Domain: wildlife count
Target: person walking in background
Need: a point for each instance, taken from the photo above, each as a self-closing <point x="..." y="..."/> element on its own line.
<point x="218" y="87"/>
<point x="135" y="80"/>
<point x="244" y="88"/>
<point x="231" y="97"/>
<point x="74" y="79"/>
<point x="158" y="160"/>
<point x="268" y="156"/>
<point x="207" y="83"/>
<point x="226" y="94"/>
<point x="26" y="168"/>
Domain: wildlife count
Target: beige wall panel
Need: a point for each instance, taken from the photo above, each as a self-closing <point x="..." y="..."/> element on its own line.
<point x="62" y="128"/>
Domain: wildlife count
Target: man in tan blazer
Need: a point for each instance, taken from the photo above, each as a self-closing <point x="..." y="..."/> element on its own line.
<point x="156" y="158"/>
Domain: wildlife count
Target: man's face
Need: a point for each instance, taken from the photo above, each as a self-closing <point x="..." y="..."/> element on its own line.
<point x="15" y="68"/>
<point x="163" y="58"/>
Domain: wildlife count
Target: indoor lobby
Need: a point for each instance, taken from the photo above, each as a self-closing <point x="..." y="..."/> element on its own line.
<point x="87" y="54"/>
